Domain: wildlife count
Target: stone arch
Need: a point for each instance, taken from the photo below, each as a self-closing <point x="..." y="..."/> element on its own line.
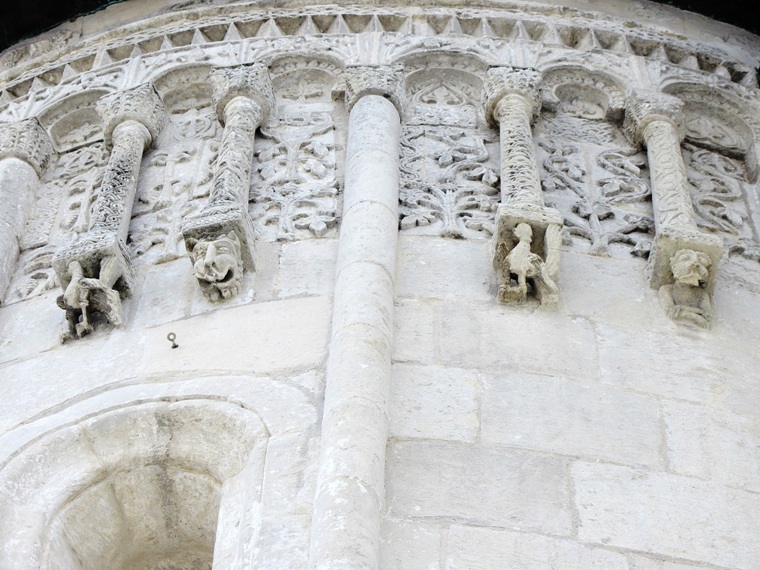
<point x="185" y="87"/>
<point x="73" y="121"/>
<point x="304" y="80"/>
<point x="135" y="486"/>
<point x="444" y="89"/>
<point x="584" y="93"/>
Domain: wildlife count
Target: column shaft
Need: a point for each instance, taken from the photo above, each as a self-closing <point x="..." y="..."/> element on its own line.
<point x="350" y="487"/>
<point x="520" y="180"/>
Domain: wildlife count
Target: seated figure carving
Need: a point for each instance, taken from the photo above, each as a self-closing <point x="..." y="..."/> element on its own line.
<point x="522" y="269"/>
<point x="686" y="300"/>
<point x="218" y="265"/>
<point x="84" y="296"/>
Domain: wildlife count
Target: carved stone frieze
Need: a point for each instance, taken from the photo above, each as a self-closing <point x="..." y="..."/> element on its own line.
<point x="297" y="194"/>
<point x="243" y="96"/>
<point x="27" y="141"/>
<point x="449" y="183"/>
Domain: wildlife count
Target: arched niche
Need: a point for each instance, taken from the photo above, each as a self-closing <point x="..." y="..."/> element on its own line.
<point x="716" y="121"/>
<point x="184" y="88"/>
<point x="140" y="487"/>
<point x="444" y="89"/>
<point x="582" y="93"/>
<point x="300" y="81"/>
<point x="74" y="122"/>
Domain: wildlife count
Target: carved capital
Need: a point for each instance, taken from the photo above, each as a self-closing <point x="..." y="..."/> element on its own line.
<point x="643" y="108"/>
<point x="141" y="104"/>
<point x="27" y="141"/>
<point x="503" y="81"/>
<point x="249" y="81"/>
<point x="359" y="81"/>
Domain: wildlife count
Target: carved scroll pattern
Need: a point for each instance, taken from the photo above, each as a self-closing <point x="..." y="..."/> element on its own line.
<point x="449" y="185"/>
<point x="62" y="211"/>
<point x="598" y="183"/>
<point x="176" y="176"/>
<point x="296" y="195"/>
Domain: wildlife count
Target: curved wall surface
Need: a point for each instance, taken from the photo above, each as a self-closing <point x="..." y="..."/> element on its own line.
<point x="399" y="287"/>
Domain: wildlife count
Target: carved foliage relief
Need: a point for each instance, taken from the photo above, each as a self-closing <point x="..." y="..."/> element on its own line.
<point x="590" y="172"/>
<point x="62" y="210"/>
<point x="449" y="159"/>
<point x="295" y="190"/>
<point x="174" y="178"/>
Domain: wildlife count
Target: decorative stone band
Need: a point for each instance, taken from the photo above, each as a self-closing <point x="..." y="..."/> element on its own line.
<point x="96" y="271"/>
<point x="655" y="120"/>
<point x="27" y="141"/>
<point x="221" y="239"/>
<point x="360" y="81"/>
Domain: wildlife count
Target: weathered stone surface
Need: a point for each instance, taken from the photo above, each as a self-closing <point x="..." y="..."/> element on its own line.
<point x="492" y="337"/>
<point x="713" y="444"/>
<point x="472" y="548"/>
<point x="518" y="489"/>
<point x="433" y="402"/>
<point x="443" y="269"/>
<point x="561" y="416"/>
<point x="670" y="515"/>
<point x="307" y="267"/>
<point x="407" y="544"/>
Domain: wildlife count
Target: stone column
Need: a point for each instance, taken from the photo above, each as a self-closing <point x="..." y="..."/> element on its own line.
<point x="221" y="238"/>
<point x="95" y="271"/>
<point x="25" y="153"/>
<point x="350" y="486"/>
<point x="683" y="260"/>
<point x="528" y="235"/>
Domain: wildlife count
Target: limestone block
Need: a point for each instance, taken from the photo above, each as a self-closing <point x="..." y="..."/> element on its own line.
<point x="472" y="548"/>
<point x="365" y="291"/>
<point x="518" y="489"/>
<point x="665" y="514"/>
<point x="670" y="365"/>
<point x="443" y="268"/>
<point x="622" y="298"/>
<point x="561" y="416"/>
<point x="154" y="306"/>
<point x="472" y="335"/>
<point x="366" y="228"/>
<point x="433" y="402"/>
<point x="280" y="335"/>
<point x="306" y="267"/>
<point x="30" y="327"/>
<point x="713" y="444"/>
<point x="408" y="545"/>
<point x="286" y="459"/>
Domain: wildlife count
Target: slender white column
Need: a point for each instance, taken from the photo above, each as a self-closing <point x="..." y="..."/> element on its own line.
<point x="351" y="487"/>
<point x="220" y="239"/>
<point x="95" y="270"/>
<point x="683" y="261"/>
<point x="528" y="235"/>
<point x="25" y="153"/>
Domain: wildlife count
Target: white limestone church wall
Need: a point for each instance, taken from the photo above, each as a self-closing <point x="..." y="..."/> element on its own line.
<point x="600" y="434"/>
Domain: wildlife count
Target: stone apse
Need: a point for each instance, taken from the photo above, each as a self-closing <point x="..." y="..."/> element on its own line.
<point x="400" y="287"/>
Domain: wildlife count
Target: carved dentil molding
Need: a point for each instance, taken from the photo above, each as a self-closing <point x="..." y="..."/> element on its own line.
<point x="141" y="104"/>
<point x="643" y="108"/>
<point x="503" y="81"/>
<point x="249" y="81"/>
<point x="27" y="141"/>
<point x="386" y="81"/>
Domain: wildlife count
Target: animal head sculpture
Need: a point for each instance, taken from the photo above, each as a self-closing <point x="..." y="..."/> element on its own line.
<point x="691" y="267"/>
<point x="218" y="265"/>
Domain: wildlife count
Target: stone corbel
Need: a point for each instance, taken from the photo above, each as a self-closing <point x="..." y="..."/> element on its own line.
<point x="221" y="239"/>
<point x="528" y="235"/>
<point x="26" y="152"/>
<point x="683" y="261"/>
<point x="95" y="271"/>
